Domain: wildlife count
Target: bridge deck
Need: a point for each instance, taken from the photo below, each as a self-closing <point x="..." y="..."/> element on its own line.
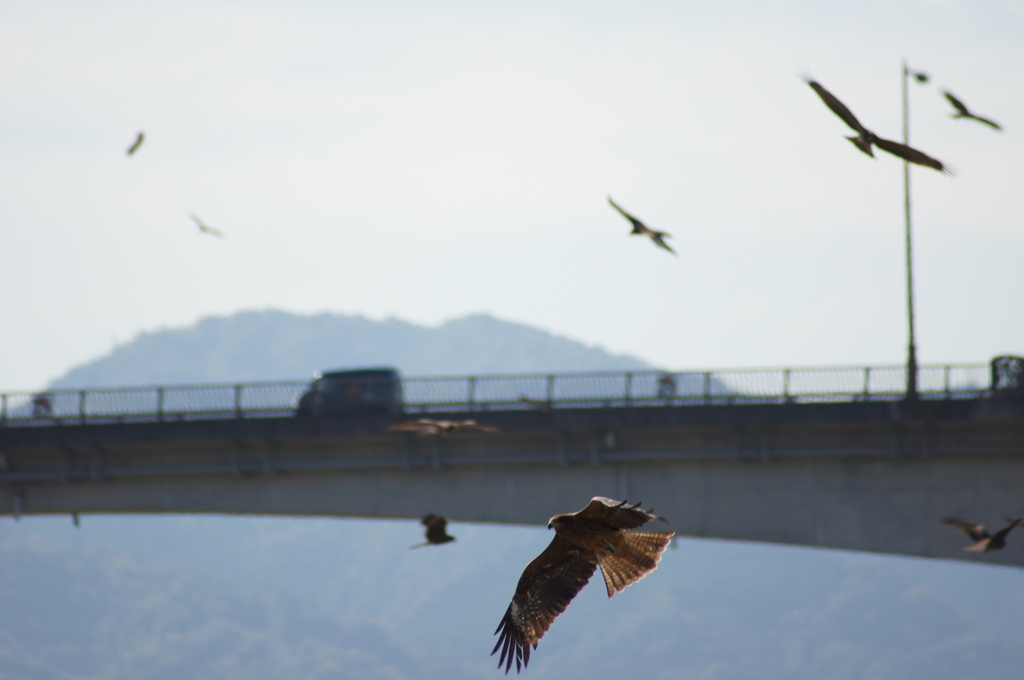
<point x="862" y="475"/>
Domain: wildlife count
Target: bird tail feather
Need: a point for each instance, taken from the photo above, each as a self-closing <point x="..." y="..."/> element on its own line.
<point x="635" y="557"/>
<point x="863" y="144"/>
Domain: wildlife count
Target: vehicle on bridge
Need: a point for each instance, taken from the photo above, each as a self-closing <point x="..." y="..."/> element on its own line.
<point x="346" y="392"/>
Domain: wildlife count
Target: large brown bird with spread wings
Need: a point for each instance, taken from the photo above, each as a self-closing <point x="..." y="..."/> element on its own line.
<point x="864" y="139"/>
<point x="983" y="541"/>
<point x="594" y="536"/>
<point x="436" y="534"/>
<point x="643" y="230"/>
<point x="963" y="112"/>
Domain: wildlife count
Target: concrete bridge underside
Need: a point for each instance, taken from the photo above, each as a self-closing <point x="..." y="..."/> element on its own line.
<point x="880" y="481"/>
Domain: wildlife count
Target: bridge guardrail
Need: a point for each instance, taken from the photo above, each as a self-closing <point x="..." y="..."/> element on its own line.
<point x="504" y="392"/>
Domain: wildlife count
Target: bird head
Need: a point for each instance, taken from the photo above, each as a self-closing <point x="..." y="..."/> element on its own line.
<point x="556" y="520"/>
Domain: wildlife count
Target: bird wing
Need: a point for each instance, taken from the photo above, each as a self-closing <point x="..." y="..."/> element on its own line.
<point x="987" y="121"/>
<point x="637" y="224"/>
<point x="478" y="426"/>
<point x="977" y="532"/>
<point x="957" y="104"/>
<point x="204" y="228"/>
<point x="636" y="555"/>
<point x="136" y="144"/>
<point x="911" y="155"/>
<point x="1000" y="535"/>
<point x="617" y="513"/>
<point x="837" y="106"/>
<point x="658" y="237"/>
<point x="547" y="586"/>
<point x="416" y="426"/>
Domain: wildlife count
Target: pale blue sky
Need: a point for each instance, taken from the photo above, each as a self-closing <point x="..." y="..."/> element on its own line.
<point x="425" y="163"/>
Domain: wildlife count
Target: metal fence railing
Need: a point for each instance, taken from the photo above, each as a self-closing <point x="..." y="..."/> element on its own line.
<point x="505" y="392"/>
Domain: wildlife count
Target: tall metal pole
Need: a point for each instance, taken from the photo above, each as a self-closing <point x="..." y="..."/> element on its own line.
<point x="911" y="348"/>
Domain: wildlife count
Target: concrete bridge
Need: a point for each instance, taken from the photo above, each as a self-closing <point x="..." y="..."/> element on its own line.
<point x="862" y="471"/>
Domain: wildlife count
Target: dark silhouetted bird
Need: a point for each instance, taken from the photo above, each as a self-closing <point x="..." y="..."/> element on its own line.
<point x="441" y="428"/>
<point x="136" y="144"/>
<point x="866" y="138"/>
<point x="984" y="541"/>
<point x="595" y="536"/>
<point x="205" y="229"/>
<point x="962" y="112"/>
<point x="436" y="534"/>
<point x="642" y="229"/>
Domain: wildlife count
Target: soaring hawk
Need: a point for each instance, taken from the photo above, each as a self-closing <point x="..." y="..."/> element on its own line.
<point x="642" y="229"/>
<point x="983" y="541"/>
<point x="963" y="112"/>
<point x="596" y="535"/>
<point x="436" y="534"/>
<point x="865" y="138"/>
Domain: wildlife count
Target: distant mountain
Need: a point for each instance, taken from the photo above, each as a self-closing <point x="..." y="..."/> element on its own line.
<point x="99" y="613"/>
<point x="273" y="345"/>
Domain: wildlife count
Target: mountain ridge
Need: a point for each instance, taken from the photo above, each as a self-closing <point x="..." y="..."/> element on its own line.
<point x="267" y="345"/>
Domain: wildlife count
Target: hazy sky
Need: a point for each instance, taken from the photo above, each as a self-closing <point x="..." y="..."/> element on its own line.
<point x="394" y="159"/>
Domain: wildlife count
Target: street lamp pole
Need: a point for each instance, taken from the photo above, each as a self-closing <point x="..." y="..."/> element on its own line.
<point x="911" y="347"/>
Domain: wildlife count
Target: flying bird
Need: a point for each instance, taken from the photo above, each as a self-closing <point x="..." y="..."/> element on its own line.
<point x="642" y="229"/>
<point x="594" y="536"/>
<point x="137" y="143"/>
<point x="865" y="138"/>
<point x="436" y="534"/>
<point x="205" y="229"/>
<point x="441" y="428"/>
<point x="984" y="541"/>
<point x="963" y="112"/>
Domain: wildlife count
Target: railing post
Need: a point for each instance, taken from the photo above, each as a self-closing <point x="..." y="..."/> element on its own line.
<point x="629" y="389"/>
<point x="81" y="406"/>
<point x="867" y="382"/>
<point x="707" y="387"/>
<point x="785" y="384"/>
<point x="472" y="391"/>
<point x="3" y="408"/>
<point x="551" y="389"/>
<point x="238" y="401"/>
<point x="160" y="404"/>
<point x="945" y="381"/>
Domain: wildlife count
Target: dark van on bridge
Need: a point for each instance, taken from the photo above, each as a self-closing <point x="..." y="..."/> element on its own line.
<point x="367" y="390"/>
